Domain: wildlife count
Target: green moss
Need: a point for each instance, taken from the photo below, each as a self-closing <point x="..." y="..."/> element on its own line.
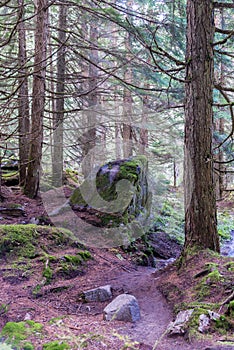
<point x="85" y="255"/>
<point x="222" y="325"/>
<point x="72" y="174"/>
<point x="56" y="345"/>
<point x="77" y="198"/>
<point x="114" y="220"/>
<point x="194" y="321"/>
<point x="204" y="287"/>
<point x="73" y="259"/>
<point x="4" y="308"/>
<point x="54" y="320"/>
<point x="31" y="241"/>
<point x="16" y="333"/>
<point x="214" y="277"/>
<point x="107" y="188"/>
<point x="18" y="240"/>
<point x="211" y="265"/>
<point x="231" y="309"/>
<point x="68" y="265"/>
<point x="196" y="305"/>
<point x="10" y="174"/>
<point x="229" y="266"/>
<point x="36" y="290"/>
<point x="48" y="274"/>
<point x="28" y="346"/>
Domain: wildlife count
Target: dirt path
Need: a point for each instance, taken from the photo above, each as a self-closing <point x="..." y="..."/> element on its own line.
<point x="155" y="312"/>
<point x="81" y="318"/>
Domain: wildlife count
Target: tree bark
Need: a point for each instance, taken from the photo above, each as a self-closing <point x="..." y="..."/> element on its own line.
<point x="23" y="98"/>
<point x="57" y="162"/>
<point x="89" y="137"/>
<point x="200" y="204"/>
<point x="38" y="100"/>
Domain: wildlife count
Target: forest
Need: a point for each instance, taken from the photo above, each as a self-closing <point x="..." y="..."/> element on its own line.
<point x="116" y="174"/>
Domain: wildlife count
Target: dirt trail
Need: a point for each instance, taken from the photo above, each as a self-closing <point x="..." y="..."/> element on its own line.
<point x="155" y="312"/>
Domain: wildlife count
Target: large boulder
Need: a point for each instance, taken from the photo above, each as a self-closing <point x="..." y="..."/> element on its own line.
<point x="114" y="194"/>
<point x="123" y="308"/>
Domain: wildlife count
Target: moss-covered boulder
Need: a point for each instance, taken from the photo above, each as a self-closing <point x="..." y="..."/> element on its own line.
<point x="116" y="193"/>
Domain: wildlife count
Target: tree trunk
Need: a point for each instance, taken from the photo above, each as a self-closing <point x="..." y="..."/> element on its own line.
<point x="220" y="128"/>
<point x="143" y="130"/>
<point x="127" y="100"/>
<point x="57" y="162"/>
<point x="89" y="137"/>
<point x="200" y="205"/>
<point x="38" y="100"/>
<point x="23" y="109"/>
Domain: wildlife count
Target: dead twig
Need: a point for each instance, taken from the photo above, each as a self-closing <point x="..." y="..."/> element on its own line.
<point x="226" y="301"/>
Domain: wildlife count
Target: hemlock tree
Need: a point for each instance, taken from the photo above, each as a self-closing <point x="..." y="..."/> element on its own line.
<point x="200" y="205"/>
<point x="38" y="99"/>
<point x="23" y="97"/>
<point x="58" y="117"/>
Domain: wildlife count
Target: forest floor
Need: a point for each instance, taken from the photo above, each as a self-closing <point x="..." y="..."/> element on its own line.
<point x="65" y="317"/>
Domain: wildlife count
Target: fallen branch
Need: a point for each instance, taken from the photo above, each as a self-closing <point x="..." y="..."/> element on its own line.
<point x="226" y="301"/>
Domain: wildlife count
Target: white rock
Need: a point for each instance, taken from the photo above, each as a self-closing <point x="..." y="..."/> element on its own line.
<point x="27" y="316"/>
<point x="179" y="325"/>
<point x="213" y="315"/>
<point x="123" y="308"/>
<point x="204" y="323"/>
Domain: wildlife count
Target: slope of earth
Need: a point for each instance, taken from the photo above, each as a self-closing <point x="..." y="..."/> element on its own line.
<point x="42" y="279"/>
<point x="43" y="275"/>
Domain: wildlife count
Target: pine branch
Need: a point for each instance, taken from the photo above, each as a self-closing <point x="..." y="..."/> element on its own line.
<point x="223" y="5"/>
<point x="221" y="90"/>
<point x="221" y="42"/>
<point x="223" y="31"/>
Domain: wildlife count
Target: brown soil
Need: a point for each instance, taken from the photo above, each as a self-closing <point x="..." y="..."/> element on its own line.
<point x="65" y="316"/>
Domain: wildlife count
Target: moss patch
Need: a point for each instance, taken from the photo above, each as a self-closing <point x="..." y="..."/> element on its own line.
<point x="17" y="333"/>
<point x="56" y="345"/>
<point x="206" y="280"/>
<point x="30" y="241"/>
<point x="67" y="265"/>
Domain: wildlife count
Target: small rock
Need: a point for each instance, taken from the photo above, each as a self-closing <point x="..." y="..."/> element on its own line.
<point x="27" y="316"/>
<point x="161" y="263"/>
<point x="98" y="294"/>
<point x="34" y="221"/>
<point x="123" y="308"/>
<point x="180" y="323"/>
<point x="204" y="323"/>
<point x="213" y="315"/>
<point x="204" y="320"/>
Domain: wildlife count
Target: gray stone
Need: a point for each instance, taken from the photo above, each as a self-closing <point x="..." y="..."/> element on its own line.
<point x="204" y="323"/>
<point x="27" y="316"/>
<point x="98" y="294"/>
<point x="213" y="315"/>
<point x="204" y="320"/>
<point x="123" y="308"/>
<point x="179" y="326"/>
